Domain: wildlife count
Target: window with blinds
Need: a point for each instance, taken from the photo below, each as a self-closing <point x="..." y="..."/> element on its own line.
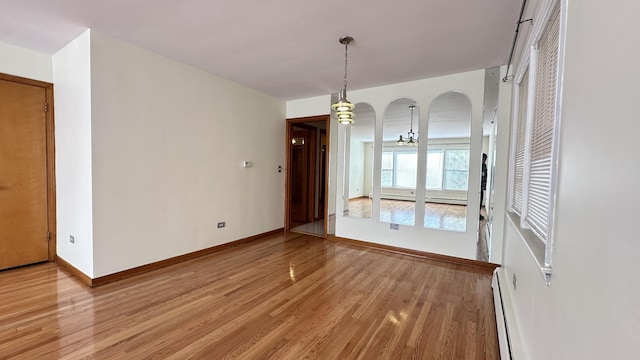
<point x="542" y="127"/>
<point x="519" y="143"/>
<point x="534" y="130"/>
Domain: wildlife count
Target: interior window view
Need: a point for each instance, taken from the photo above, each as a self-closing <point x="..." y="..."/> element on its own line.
<point x="359" y="179"/>
<point x="284" y="180"/>
<point x="440" y="166"/>
<point x="448" y="154"/>
<point x="447" y="163"/>
<point x="399" y="160"/>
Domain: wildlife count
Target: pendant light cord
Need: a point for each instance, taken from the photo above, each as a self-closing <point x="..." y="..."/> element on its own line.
<point x="346" y="49"/>
<point x="411" y="126"/>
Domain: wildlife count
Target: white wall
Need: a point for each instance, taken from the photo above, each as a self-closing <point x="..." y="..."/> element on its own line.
<point x="319" y="105"/>
<point x="356" y="169"/>
<point x="591" y="310"/>
<point x="168" y="144"/>
<point x="25" y="63"/>
<point x="368" y="169"/>
<point x="72" y="99"/>
<point x="424" y="92"/>
<point x="148" y="154"/>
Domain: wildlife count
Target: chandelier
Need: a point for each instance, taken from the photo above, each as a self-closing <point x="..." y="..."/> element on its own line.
<point x="412" y="137"/>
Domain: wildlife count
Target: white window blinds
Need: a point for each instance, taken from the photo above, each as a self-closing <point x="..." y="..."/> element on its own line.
<point x="542" y="128"/>
<point x="519" y="144"/>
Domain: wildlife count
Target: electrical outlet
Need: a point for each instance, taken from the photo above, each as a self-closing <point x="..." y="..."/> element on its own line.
<point x="221" y="224"/>
<point x="393" y="226"/>
<point x="72" y="239"/>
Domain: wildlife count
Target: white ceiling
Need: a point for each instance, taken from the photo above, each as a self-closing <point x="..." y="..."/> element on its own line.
<point x="449" y="117"/>
<point x="286" y="48"/>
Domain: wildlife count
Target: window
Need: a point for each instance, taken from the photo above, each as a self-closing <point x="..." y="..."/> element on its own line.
<point x="535" y="135"/>
<point x="387" y="169"/>
<point x="447" y="169"/>
<point x="406" y="171"/>
<point x="541" y="130"/>
<point x="456" y="169"/>
<point x="399" y="168"/>
<point x="522" y="92"/>
<point x="434" y="169"/>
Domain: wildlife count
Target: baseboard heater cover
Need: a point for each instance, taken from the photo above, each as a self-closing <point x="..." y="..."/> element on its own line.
<point x="436" y="200"/>
<point x="504" y="339"/>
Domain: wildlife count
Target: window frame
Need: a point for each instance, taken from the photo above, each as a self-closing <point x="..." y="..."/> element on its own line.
<point x="383" y="169"/>
<point x="541" y="245"/>
<point x="445" y="169"/>
<point x="441" y="152"/>
<point x="443" y="149"/>
<point x="396" y="168"/>
<point x="519" y="123"/>
<point x="394" y="160"/>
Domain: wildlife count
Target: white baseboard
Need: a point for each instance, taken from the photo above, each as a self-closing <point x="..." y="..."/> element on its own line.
<point x="501" y="320"/>
<point x="511" y="346"/>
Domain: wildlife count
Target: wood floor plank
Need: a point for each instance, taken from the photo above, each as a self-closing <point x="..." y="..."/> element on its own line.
<point x="288" y="296"/>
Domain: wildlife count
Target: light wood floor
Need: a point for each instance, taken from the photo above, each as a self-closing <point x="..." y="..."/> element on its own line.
<point x="285" y="297"/>
<point x="436" y="216"/>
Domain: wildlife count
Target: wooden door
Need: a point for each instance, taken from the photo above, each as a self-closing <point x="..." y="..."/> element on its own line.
<point x="23" y="175"/>
<point x="299" y="177"/>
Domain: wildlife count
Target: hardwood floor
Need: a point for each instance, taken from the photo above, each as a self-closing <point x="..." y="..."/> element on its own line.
<point x="290" y="296"/>
<point x="436" y="216"/>
<point x="445" y="217"/>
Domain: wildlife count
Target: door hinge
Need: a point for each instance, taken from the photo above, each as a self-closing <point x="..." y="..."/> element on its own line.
<point x="46" y="107"/>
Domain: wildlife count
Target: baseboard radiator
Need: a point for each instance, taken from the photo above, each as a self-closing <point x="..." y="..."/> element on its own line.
<point x="398" y="197"/>
<point x="504" y="339"/>
<point x="428" y="199"/>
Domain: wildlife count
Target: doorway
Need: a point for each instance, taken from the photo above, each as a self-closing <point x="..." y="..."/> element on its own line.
<point x="306" y="179"/>
<point x="27" y="195"/>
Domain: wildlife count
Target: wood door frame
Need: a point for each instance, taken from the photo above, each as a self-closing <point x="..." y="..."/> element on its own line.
<point x="51" y="156"/>
<point x="288" y="151"/>
<point x="324" y="172"/>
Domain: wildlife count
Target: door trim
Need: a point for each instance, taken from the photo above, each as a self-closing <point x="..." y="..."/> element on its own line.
<point x="51" y="156"/>
<point x="288" y="151"/>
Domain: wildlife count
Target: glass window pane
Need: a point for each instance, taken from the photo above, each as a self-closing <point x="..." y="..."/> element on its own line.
<point x="457" y="159"/>
<point x="434" y="169"/>
<point x="456" y="169"/>
<point x="406" y="169"/>
<point x="387" y="160"/>
<point x="455" y="179"/>
<point x="387" y="178"/>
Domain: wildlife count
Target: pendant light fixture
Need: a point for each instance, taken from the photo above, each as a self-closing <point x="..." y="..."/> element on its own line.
<point x="343" y="108"/>
<point x="413" y="139"/>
